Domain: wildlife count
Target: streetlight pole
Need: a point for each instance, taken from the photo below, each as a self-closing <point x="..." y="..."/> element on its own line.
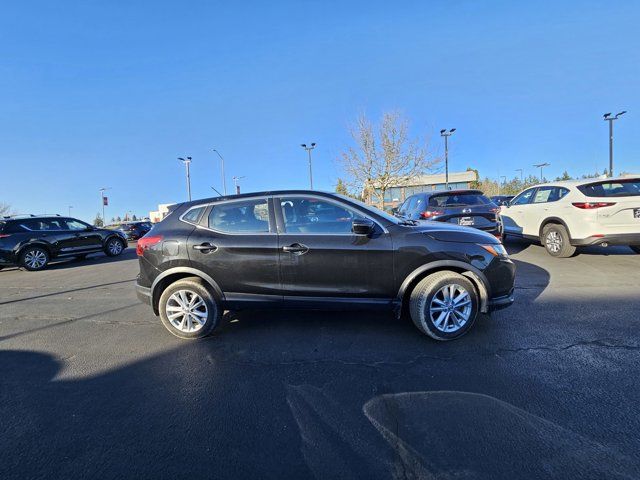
<point x="235" y="181"/>
<point x="224" y="180"/>
<point x="187" y="162"/>
<point x="541" y="166"/>
<point x="102" y="190"/>
<point x="608" y="118"/>
<point x="521" y="175"/>
<point x="70" y="207"/>
<point x="308" y="149"/>
<point x="446" y="134"/>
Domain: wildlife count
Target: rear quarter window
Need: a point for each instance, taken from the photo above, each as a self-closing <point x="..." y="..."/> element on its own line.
<point x="614" y="188"/>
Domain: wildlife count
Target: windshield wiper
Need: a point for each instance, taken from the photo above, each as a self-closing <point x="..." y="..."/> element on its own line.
<point x="411" y="223"/>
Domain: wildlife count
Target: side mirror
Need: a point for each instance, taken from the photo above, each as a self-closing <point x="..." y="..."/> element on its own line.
<point x="90" y="228"/>
<point x="362" y="226"/>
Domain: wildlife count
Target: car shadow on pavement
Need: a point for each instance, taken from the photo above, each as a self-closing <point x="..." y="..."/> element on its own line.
<point x="92" y="259"/>
<point x="517" y="245"/>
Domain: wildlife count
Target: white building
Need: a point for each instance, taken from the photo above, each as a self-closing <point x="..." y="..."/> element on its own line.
<point x="158" y="215"/>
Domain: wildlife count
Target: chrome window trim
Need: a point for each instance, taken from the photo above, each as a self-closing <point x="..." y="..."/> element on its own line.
<point x="327" y="199"/>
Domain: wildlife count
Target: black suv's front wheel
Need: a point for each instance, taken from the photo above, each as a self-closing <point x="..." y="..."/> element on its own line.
<point x="188" y="309"/>
<point x="34" y="258"/>
<point x="114" y="247"/>
<point x="444" y="305"/>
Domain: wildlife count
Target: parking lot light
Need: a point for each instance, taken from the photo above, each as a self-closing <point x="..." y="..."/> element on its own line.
<point x="608" y="118"/>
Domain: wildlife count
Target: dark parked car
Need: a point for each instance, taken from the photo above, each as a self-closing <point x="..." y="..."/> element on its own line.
<point x="32" y="241"/>
<point x="469" y="208"/>
<point x="317" y="250"/>
<point x="133" y="230"/>
<point x="502" y="199"/>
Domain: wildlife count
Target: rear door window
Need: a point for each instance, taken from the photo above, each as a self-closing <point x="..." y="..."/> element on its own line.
<point x="614" y="188"/>
<point x="247" y="216"/>
<point x="549" y="194"/>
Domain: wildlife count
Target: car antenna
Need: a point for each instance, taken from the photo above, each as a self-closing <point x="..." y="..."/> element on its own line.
<point x="219" y="194"/>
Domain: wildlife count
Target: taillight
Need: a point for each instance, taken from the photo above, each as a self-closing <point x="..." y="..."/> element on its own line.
<point x="495" y="210"/>
<point x="5" y="235"/>
<point x="147" y="242"/>
<point x="430" y="214"/>
<point x="592" y="205"/>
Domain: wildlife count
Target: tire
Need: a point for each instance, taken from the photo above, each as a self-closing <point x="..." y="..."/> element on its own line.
<point x="635" y="248"/>
<point x="114" y="247"/>
<point x="186" y="326"/>
<point x="556" y="241"/>
<point x="34" y="258"/>
<point x="427" y="305"/>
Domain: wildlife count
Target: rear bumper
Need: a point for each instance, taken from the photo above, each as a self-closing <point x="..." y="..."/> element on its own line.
<point x="612" y="239"/>
<point x="143" y="293"/>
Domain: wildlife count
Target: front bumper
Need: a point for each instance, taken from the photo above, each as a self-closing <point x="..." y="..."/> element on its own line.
<point x="498" y="303"/>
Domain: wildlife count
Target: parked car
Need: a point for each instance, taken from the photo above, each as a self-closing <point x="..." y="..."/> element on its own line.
<point x="569" y="214"/>
<point x="31" y="241"/>
<point x="502" y="199"/>
<point x="469" y="208"/>
<point x="133" y="230"/>
<point x="317" y="250"/>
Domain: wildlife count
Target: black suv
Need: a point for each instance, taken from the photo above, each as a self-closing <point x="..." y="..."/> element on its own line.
<point x="318" y="250"/>
<point x="133" y="230"/>
<point x="32" y="241"/>
<point x="470" y="208"/>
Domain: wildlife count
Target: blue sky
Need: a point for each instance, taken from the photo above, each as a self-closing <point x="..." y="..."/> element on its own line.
<point x="96" y="93"/>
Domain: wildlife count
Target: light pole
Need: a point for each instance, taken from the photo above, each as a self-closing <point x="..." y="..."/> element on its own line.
<point x="235" y="181"/>
<point x="70" y="207"/>
<point x="102" y="197"/>
<point x="308" y="149"/>
<point x="608" y="118"/>
<point x="504" y="181"/>
<point x="541" y="166"/>
<point x="187" y="162"/>
<point x="224" y="181"/>
<point x="446" y="134"/>
<point x="521" y="175"/>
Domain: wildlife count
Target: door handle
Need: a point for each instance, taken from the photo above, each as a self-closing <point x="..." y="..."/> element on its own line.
<point x="296" y="248"/>
<point x="205" y="247"/>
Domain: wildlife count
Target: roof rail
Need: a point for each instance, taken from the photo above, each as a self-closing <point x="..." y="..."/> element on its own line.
<point x="30" y="215"/>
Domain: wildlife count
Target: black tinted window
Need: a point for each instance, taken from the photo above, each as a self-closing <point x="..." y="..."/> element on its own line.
<point x="312" y="215"/>
<point x="192" y="216"/>
<point x="249" y="216"/>
<point x="12" y="227"/>
<point x="457" y="199"/>
<point x="77" y="225"/>
<point x="616" y="188"/>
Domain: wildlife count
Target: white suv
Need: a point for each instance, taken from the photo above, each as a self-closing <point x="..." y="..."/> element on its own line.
<point x="566" y="215"/>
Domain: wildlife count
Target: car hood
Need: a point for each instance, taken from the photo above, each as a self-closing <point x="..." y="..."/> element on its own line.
<point x="446" y="232"/>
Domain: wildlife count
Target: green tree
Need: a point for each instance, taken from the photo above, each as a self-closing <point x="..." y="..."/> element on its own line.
<point x="134" y="218"/>
<point x="5" y="209"/>
<point x="118" y="219"/>
<point x="565" y="176"/>
<point x="98" y="222"/>
<point x="341" y="188"/>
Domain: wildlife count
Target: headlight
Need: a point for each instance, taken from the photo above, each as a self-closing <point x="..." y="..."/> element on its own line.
<point x="497" y="250"/>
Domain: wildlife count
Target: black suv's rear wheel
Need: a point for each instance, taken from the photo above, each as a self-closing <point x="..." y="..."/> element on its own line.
<point x="444" y="305"/>
<point x="114" y="247"/>
<point x="635" y="248"/>
<point x="188" y="309"/>
<point x="34" y="258"/>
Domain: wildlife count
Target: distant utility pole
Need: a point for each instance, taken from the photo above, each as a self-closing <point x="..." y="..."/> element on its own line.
<point x="187" y="162"/>
<point x="521" y="174"/>
<point x="70" y="207"/>
<point x="308" y="149"/>
<point x="608" y="118"/>
<point x="235" y="181"/>
<point x="541" y="166"/>
<point x="105" y="200"/>
<point x="446" y="134"/>
<point x="224" y="181"/>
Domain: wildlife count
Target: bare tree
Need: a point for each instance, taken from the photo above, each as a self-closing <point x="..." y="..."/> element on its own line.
<point x="5" y="209"/>
<point x="384" y="156"/>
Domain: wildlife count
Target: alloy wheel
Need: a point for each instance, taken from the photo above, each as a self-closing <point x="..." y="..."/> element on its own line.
<point x="450" y="308"/>
<point x="115" y="247"/>
<point x="554" y="241"/>
<point x="35" y="259"/>
<point x="187" y="311"/>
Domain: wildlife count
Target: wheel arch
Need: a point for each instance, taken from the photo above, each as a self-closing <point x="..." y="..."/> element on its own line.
<point x="167" y="277"/>
<point x="555" y="220"/>
<point x="478" y="279"/>
<point x="36" y="243"/>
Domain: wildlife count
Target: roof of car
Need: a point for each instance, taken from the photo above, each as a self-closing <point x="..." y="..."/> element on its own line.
<point x="584" y="181"/>
<point x="258" y="194"/>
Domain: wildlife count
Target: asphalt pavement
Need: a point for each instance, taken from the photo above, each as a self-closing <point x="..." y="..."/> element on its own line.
<point x="92" y="386"/>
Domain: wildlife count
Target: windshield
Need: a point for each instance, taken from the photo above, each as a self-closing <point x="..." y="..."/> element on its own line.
<point x="371" y="208"/>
